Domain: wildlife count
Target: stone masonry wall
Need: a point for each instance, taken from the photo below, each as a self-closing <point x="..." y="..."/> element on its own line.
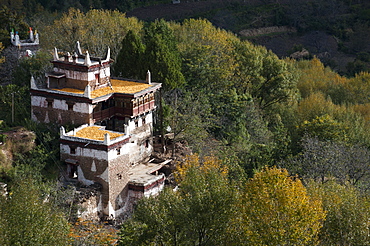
<point x="59" y="111"/>
<point x="109" y="169"/>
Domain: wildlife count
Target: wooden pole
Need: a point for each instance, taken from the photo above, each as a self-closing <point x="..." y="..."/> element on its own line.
<point x="161" y="120"/>
<point x="13" y="107"/>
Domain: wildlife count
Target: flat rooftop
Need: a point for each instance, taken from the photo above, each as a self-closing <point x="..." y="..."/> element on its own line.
<point x="118" y="86"/>
<point x="96" y="133"/>
<point x="144" y="174"/>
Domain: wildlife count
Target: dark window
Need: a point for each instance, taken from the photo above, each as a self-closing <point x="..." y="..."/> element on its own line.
<point x="72" y="150"/>
<point x="136" y="124"/>
<point x="70" y="106"/>
<point x="50" y="103"/>
<point x="118" y="151"/>
<point x="147" y="143"/>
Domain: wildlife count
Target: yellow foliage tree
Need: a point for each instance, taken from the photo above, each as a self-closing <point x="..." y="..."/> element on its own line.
<point x="96" y="30"/>
<point x="316" y="104"/>
<point x="276" y="210"/>
<point x="358" y="88"/>
<point x="315" y="77"/>
<point x="208" y="164"/>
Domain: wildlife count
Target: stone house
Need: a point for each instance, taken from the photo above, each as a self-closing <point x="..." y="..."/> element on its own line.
<point x="113" y="143"/>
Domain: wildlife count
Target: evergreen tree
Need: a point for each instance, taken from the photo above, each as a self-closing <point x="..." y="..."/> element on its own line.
<point x="162" y="56"/>
<point x="129" y="62"/>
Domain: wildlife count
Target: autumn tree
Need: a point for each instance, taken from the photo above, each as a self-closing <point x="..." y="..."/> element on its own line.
<point x="314" y="77"/>
<point x="92" y="233"/>
<point x="96" y="30"/>
<point x="358" y="88"/>
<point x="277" y="210"/>
<point x="325" y="128"/>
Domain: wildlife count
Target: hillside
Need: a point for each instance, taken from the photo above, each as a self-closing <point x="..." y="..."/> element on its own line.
<point x="332" y="34"/>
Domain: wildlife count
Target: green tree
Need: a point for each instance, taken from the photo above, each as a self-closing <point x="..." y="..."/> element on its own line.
<point x="162" y="57"/>
<point x="267" y="78"/>
<point x="28" y="218"/>
<point x="198" y="213"/>
<point x="10" y="19"/>
<point x="276" y="210"/>
<point x="189" y="117"/>
<point x="130" y="59"/>
<point x="21" y="104"/>
<point x="35" y="66"/>
<point x="347" y="219"/>
<point x="155" y="221"/>
<point x="207" y="54"/>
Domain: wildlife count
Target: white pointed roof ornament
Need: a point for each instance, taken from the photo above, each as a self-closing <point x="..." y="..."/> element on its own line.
<point x="87" y="92"/>
<point x="87" y="59"/>
<point x="107" y="57"/>
<point x="33" y="83"/>
<point x="148" y="77"/>
<point x="32" y="38"/>
<point x="62" y="131"/>
<point x="78" y="48"/>
<point x="106" y="138"/>
<point x="55" y="54"/>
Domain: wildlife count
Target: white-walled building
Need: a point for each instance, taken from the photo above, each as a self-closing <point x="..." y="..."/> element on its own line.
<point x="113" y="143"/>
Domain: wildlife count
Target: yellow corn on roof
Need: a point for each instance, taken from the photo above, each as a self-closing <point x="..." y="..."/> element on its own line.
<point x="72" y="90"/>
<point x="95" y="133"/>
<point x="120" y="86"/>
